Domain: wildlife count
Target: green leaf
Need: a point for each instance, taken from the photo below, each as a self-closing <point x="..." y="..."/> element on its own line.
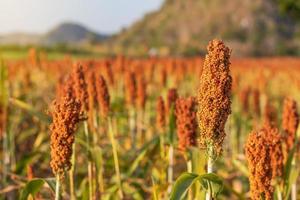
<point x="212" y="180"/>
<point x="25" y="160"/>
<point x="97" y="156"/>
<point x="182" y="184"/>
<point x="289" y="162"/>
<point x="154" y="189"/>
<point x="34" y="186"/>
<point x="25" y="106"/>
<point x="207" y="181"/>
<point x="51" y="183"/>
<point x="291" y="172"/>
<point x="142" y="154"/>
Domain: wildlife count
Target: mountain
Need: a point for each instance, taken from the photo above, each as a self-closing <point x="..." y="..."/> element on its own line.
<point x="71" y="33"/>
<point x="65" y="33"/>
<point x="249" y="27"/>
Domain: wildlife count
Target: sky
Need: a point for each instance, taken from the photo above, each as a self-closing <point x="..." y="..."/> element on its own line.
<point x="104" y="16"/>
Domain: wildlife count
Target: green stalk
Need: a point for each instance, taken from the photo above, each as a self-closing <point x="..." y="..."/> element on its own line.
<point x="100" y="176"/>
<point x="170" y="168"/>
<point x="162" y="145"/>
<point x="279" y="195"/>
<point x="57" y="188"/>
<point x="209" y="170"/>
<point x="90" y="167"/>
<point x="5" y="157"/>
<point x="140" y="121"/>
<point x="189" y="170"/>
<point x="132" y="124"/>
<point x="99" y="172"/>
<point x="294" y="185"/>
<point x="115" y="155"/>
<point x="4" y="95"/>
<point x="71" y="174"/>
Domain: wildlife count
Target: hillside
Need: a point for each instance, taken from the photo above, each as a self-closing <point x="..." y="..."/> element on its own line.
<point x="71" y="33"/>
<point x="65" y="33"/>
<point x="250" y="27"/>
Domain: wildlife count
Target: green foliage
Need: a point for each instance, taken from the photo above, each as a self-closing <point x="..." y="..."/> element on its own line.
<point x="291" y="172"/>
<point x="209" y="182"/>
<point x="290" y="8"/>
<point x="35" y="185"/>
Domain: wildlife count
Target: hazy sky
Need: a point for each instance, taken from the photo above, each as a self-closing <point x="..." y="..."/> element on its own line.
<point x="107" y="16"/>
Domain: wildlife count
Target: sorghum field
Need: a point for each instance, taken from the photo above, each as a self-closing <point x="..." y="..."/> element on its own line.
<point x="213" y="127"/>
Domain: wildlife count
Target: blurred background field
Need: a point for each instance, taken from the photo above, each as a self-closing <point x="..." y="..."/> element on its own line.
<point x="171" y="27"/>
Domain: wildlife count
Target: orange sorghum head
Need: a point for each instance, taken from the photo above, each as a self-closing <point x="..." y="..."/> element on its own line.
<point x="102" y="96"/>
<point x="290" y="121"/>
<point x="171" y="99"/>
<point x="91" y="89"/>
<point x="80" y="87"/>
<point x="186" y="122"/>
<point x="141" y="92"/>
<point x="214" y="96"/>
<point x="108" y="72"/>
<point x="130" y="88"/>
<point x="270" y="115"/>
<point x="256" y="101"/>
<point x="244" y="98"/>
<point x="92" y="97"/>
<point x="265" y="161"/>
<point x="65" y="116"/>
<point x="160" y="114"/>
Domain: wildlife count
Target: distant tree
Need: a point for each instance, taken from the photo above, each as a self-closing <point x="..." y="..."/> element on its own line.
<point x="290" y="8"/>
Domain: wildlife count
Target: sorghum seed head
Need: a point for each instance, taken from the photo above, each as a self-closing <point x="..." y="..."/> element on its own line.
<point x="214" y="96"/>
<point x="141" y="92"/>
<point x="80" y="87"/>
<point x="65" y="116"/>
<point x="256" y="101"/>
<point x="290" y="121"/>
<point x="92" y="97"/>
<point x="244" y="99"/>
<point x="265" y="161"/>
<point x="103" y="96"/>
<point x="160" y="114"/>
<point x="270" y="115"/>
<point x="130" y="88"/>
<point x="171" y="99"/>
<point x="186" y="122"/>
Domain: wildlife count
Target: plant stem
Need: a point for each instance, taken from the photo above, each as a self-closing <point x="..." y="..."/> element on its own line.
<point x="100" y="176"/>
<point x="294" y="185"/>
<point x="170" y="168"/>
<point x="294" y="192"/>
<point x="209" y="170"/>
<point x="132" y="126"/>
<point x="279" y="196"/>
<point x="115" y="155"/>
<point x="57" y="187"/>
<point x="71" y="174"/>
<point x="189" y="166"/>
<point x="99" y="171"/>
<point x="190" y="170"/>
<point x="90" y="167"/>
<point x="162" y="145"/>
<point x="140" y="123"/>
